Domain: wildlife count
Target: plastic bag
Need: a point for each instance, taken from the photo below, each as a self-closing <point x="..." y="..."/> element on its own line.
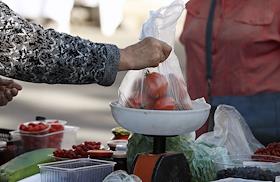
<point x="232" y="132"/>
<point x="163" y="87"/>
<point x="199" y="155"/>
<point x="121" y="176"/>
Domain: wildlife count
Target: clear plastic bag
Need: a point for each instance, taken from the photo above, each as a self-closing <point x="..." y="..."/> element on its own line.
<point x="232" y="132"/>
<point x="163" y="87"/>
<point x="121" y="176"/>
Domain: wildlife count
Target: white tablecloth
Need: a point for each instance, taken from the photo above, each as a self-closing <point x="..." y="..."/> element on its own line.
<point x="34" y="178"/>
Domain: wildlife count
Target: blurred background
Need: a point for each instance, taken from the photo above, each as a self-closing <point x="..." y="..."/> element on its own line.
<point x="87" y="106"/>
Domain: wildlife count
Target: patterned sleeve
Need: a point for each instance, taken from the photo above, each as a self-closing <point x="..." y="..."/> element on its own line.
<point x="30" y="53"/>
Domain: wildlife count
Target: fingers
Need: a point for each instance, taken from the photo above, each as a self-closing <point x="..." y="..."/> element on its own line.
<point x="5" y="82"/>
<point x="3" y="99"/>
<point x="149" y="52"/>
<point x="16" y="85"/>
<point x="8" y="95"/>
<point x="163" y="48"/>
<point x="162" y="58"/>
<point x="166" y="49"/>
<point x="8" y="90"/>
<point x="14" y="92"/>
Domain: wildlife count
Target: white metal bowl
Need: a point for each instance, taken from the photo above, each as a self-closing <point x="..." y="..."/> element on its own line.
<point x="160" y="122"/>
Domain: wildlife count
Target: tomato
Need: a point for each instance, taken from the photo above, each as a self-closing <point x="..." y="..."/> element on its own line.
<point x="56" y="127"/>
<point x="139" y="101"/>
<point x="179" y="91"/>
<point x="33" y="127"/>
<point x="23" y="127"/>
<point x="134" y="102"/>
<point x="31" y="124"/>
<point x="155" y="85"/>
<point x="165" y="103"/>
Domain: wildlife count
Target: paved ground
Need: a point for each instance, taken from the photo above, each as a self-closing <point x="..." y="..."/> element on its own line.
<point x="86" y="106"/>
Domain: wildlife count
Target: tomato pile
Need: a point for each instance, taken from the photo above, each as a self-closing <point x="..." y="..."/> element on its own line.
<point x="272" y="149"/>
<point x="155" y="92"/>
<point x="55" y="126"/>
<point x="55" y="139"/>
<point x="77" y="151"/>
<point x="41" y="135"/>
<point x="33" y="127"/>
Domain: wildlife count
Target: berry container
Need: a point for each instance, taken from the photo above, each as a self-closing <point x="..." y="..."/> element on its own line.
<point x="60" y="139"/>
<point x="85" y="170"/>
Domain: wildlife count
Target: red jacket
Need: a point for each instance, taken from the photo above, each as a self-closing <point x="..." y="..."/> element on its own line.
<point x="246" y="47"/>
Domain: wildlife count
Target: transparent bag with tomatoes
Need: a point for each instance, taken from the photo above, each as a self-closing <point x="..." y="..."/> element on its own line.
<point x="163" y="87"/>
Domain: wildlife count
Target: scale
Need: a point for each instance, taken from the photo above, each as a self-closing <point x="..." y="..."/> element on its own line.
<point x="161" y="166"/>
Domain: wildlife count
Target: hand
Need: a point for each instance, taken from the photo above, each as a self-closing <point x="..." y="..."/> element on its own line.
<point x="8" y="90"/>
<point x="146" y="53"/>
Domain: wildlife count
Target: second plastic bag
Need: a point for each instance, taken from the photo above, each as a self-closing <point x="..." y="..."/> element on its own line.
<point x="232" y="132"/>
<point x="163" y="87"/>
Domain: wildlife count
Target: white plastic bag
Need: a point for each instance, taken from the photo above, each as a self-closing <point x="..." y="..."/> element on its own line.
<point x="121" y="176"/>
<point x="163" y="87"/>
<point x="232" y="132"/>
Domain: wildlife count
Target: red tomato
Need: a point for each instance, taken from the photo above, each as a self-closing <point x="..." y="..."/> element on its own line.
<point x="37" y="128"/>
<point x="139" y="101"/>
<point x="155" y="85"/>
<point x="134" y="102"/>
<point x="56" y="127"/>
<point x="23" y="127"/>
<point x="165" y="103"/>
<point x="33" y="127"/>
<point x="31" y="124"/>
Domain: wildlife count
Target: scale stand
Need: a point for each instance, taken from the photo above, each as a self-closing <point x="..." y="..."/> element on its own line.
<point x="161" y="166"/>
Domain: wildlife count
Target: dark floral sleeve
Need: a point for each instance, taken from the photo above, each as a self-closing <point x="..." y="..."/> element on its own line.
<point x="30" y="53"/>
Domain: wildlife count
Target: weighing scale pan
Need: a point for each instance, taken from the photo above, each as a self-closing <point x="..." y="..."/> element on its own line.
<point x="161" y="122"/>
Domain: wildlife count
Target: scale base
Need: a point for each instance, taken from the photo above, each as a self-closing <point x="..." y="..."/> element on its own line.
<point x="164" y="167"/>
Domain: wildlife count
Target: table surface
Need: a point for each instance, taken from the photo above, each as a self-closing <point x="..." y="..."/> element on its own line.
<point x="34" y="178"/>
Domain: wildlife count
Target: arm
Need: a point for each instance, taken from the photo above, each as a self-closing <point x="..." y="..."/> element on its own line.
<point x="30" y="53"/>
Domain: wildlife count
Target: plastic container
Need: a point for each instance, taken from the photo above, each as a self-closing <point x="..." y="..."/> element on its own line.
<point x="5" y="134"/>
<point x="100" y="153"/>
<point x="3" y="152"/>
<point x="120" y="157"/>
<point x="61" y="139"/>
<point x="113" y="143"/>
<point x="56" y="121"/>
<point x="255" y="167"/>
<point x="85" y="170"/>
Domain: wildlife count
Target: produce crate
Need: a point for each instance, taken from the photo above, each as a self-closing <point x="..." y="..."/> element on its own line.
<point x="5" y="134"/>
<point x="85" y="170"/>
